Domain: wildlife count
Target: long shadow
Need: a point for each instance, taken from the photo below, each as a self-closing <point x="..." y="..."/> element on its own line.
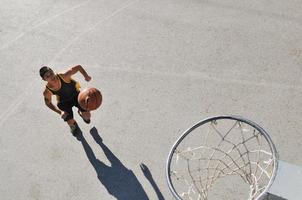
<point x="149" y="177"/>
<point x="119" y="181"/>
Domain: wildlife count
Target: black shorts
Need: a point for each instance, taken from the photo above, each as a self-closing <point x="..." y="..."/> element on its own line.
<point x="67" y="107"/>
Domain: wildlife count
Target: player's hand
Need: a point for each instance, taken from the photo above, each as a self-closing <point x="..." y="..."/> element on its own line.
<point x="87" y="78"/>
<point x="64" y="115"/>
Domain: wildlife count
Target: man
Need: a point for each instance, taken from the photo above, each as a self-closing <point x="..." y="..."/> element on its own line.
<point x="66" y="90"/>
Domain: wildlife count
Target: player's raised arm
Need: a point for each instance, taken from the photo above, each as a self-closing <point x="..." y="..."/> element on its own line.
<point x="73" y="70"/>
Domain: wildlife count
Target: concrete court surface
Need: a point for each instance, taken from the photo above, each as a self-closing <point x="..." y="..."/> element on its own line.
<point x="161" y="66"/>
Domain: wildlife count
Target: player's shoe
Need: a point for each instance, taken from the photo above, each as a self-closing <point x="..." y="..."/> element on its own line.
<point x="74" y="129"/>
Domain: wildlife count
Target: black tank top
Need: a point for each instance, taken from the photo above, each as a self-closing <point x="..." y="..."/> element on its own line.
<point x="68" y="90"/>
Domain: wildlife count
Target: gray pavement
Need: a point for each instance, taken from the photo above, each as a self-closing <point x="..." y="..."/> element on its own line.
<point x="161" y="66"/>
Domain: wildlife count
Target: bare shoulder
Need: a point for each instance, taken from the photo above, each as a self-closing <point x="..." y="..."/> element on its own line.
<point x="46" y="92"/>
<point x="66" y="74"/>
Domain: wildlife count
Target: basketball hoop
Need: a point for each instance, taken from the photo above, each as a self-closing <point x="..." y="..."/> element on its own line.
<point x="224" y="157"/>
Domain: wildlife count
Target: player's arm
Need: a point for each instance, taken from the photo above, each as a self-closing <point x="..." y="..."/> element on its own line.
<point x="47" y="99"/>
<point x="73" y="70"/>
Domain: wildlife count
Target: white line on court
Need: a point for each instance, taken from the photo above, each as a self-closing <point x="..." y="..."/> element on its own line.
<point x="93" y="27"/>
<point x="16" y="103"/>
<point x="20" y="99"/>
<point x="41" y="23"/>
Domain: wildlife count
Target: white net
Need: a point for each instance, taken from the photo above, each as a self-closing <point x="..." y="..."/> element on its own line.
<point x="222" y="159"/>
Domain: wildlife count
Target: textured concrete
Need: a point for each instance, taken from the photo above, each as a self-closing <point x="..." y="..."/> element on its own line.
<point x="161" y="66"/>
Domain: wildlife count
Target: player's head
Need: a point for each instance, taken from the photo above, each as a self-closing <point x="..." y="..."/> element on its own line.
<point x="46" y="73"/>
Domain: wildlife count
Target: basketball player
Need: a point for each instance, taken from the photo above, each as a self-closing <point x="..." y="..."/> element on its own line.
<point x="66" y="90"/>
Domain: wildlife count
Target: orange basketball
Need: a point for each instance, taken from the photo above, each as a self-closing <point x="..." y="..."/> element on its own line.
<point x="90" y="98"/>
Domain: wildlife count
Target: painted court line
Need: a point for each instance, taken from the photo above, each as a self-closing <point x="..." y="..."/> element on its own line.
<point x="21" y="98"/>
<point x="41" y="23"/>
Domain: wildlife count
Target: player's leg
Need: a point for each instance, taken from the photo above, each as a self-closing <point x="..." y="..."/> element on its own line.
<point x="66" y="107"/>
<point x="74" y="128"/>
<point x="86" y="116"/>
<point x="83" y="113"/>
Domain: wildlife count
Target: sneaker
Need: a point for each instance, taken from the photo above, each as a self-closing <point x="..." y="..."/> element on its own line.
<point x="87" y="121"/>
<point x="74" y="129"/>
